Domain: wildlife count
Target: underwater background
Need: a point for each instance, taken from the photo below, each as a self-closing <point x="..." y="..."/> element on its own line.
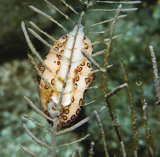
<point x="18" y="77"/>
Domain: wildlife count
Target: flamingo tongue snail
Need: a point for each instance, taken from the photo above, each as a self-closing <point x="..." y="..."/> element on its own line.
<point x="79" y="78"/>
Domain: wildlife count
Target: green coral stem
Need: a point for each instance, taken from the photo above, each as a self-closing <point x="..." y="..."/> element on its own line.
<point x="105" y="81"/>
<point x="145" y="118"/>
<point x="133" y="112"/>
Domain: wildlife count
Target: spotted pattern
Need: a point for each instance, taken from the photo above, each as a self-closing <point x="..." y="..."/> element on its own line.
<point x="59" y="57"/>
<point x="83" y="63"/>
<point x="63" y="124"/>
<point x="64" y="37"/>
<point x="81" y="102"/>
<point x="53" y="82"/>
<point x="73" y="117"/>
<point x="60" y="45"/>
<point x="93" y="76"/>
<point x="89" y="65"/>
<point x="80" y="69"/>
<point x="86" y="47"/>
<point x="57" y="48"/>
<point x="57" y="71"/>
<point x="72" y="99"/>
<point x="65" y="117"/>
<point x="46" y="87"/>
<point x="77" y="78"/>
<point x="76" y="71"/>
<point x="78" y="111"/>
<point x="80" y="81"/>
<point x="66" y="111"/>
<point x="87" y="80"/>
<point x="69" y="121"/>
<point x="75" y="85"/>
<point x="74" y="80"/>
<point x="42" y="68"/>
